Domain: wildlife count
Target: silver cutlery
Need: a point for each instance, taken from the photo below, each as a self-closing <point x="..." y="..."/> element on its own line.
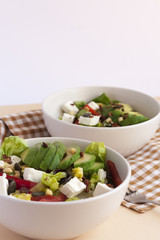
<point x="133" y="196"/>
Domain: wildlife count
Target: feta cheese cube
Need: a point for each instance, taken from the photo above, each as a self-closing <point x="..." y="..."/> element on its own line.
<point x="100" y="189"/>
<point x="2" y="163"/>
<point x="15" y="159"/>
<point x="32" y="175"/>
<point x="3" y="185"/>
<point x="91" y="121"/>
<point x="73" y="188"/>
<point x="93" y="105"/>
<point x="102" y="175"/>
<point x="68" y="117"/>
<point x="70" y="108"/>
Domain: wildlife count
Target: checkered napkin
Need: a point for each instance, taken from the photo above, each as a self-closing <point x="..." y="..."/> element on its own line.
<point x="28" y="124"/>
<point x="145" y="177"/>
<point x="145" y="163"/>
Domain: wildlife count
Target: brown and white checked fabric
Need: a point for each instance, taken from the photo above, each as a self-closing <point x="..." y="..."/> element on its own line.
<point x="28" y="124"/>
<point x="145" y="177"/>
<point x="145" y="163"/>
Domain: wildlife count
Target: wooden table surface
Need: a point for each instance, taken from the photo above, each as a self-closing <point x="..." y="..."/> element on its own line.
<point x="124" y="224"/>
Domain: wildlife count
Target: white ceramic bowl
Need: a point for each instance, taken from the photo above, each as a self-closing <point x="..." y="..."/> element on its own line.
<point x="126" y="140"/>
<point x="64" y="220"/>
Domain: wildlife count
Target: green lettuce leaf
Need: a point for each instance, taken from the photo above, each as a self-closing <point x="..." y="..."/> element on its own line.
<point x="133" y="119"/>
<point x="52" y="181"/>
<point x="1" y="152"/>
<point x="80" y="104"/>
<point x="98" y="149"/>
<point x="13" y="145"/>
<point x="95" y="178"/>
<point x="103" y="98"/>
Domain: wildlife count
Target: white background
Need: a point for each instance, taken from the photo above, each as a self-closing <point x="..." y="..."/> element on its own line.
<point x="50" y="45"/>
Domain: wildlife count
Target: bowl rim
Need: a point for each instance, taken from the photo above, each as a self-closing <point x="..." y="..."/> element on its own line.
<point x="81" y="201"/>
<point x="44" y="111"/>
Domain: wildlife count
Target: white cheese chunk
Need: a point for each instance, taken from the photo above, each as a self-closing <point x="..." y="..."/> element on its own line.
<point x="93" y="105"/>
<point x="3" y="185"/>
<point x="2" y="163"/>
<point x="15" y="159"/>
<point x="32" y="175"/>
<point x="91" y="121"/>
<point x="102" y="175"/>
<point x="70" y="108"/>
<point x="68" y="117"/>
<point x="73" y="188"/>
<point x="100" y="189"/>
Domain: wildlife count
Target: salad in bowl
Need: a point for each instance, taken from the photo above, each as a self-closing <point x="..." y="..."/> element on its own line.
<point x="54" y="171"/>
<point x="101" y="112"/>
<point x="76" y="189"/>
<point x="123" y="119"/>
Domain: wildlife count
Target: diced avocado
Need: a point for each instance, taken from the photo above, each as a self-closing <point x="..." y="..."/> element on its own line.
<point x="94" y="169"/>
<point x="114" y="110"/>
<point x="43" y="149"/>
<point x="29" y="154"/>
<point x="126" y="107"/>
<point x="135" y="113"/>
<point x="72" y="154"/>
<point x="24" y="154"/>
<point x="48" y="158"/>
<point x="60" y="150"/>
<point x="86" y="161"/>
